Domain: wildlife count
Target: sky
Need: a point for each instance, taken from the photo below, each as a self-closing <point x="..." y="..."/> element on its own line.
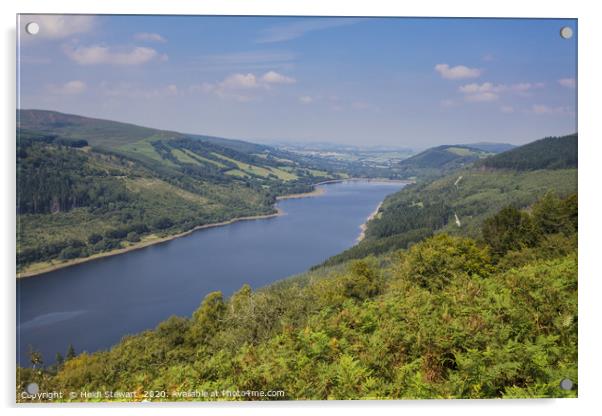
<point x="407" y="82"/>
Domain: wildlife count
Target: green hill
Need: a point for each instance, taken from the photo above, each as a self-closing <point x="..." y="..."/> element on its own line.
<point x="547" y="153"/>
<point x="491" y="147"/>
<point x="440" y="159"/>
<point x="88" y="186"/>
<point x="97" y="132"/>
<point x="458" y="202"/>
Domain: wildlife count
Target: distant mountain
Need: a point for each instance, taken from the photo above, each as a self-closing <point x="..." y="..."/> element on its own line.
<point x="547" y="153"/>
<point x="441" y="159"/>
<point x="491" y="147"/>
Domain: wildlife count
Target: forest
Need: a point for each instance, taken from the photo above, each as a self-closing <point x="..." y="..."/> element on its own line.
<point x="71" y="173"/>
<point x="470" y="194"/>
<point x="494" y="316"/>
<point x="546" y="153"/>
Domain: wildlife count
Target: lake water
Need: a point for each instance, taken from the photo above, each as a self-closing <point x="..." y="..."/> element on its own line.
<point x="93" y="305"/>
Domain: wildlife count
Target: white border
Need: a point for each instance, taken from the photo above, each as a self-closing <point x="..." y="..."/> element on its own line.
<point x="590" y="152"/>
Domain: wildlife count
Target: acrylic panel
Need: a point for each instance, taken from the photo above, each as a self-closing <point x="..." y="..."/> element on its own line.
<point x="295" y="208"/>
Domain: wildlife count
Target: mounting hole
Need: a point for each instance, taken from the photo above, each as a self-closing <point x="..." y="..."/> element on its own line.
<point x="32" y="388"/>
<point x="566" y="32"/>
<point x="566" y="384"/>
<point x="32" y="28"/>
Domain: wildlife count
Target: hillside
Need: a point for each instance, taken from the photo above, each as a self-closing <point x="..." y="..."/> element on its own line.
<point x="89" y="186"/>
<point x="464" y="287"/>
<point x="440" y="159"/>
<point x="448" y="318"/>
<point x="491" y="147"/>
<point x="459" y="202"/>
<point x="97" y="132"/>
<point x="547" y="153"/>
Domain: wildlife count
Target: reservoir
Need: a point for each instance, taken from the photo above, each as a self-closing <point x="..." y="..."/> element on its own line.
<point x="93" y="305"/>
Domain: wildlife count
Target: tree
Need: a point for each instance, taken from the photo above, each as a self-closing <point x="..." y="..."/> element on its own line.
<point x="70" y="352"/>
<point x="437" y="260"/>
<point x="548" y="214"/>
<point x="510" y="229"/>
<point x="206" y="320"/>
<point x="133" y="237"/>
<point x="94" y="238"/>
<point x="364" y="281"/>
<point x="59" y="358"/>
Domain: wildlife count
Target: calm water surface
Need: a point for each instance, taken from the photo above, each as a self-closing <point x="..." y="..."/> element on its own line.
<point x="93" y="305"/>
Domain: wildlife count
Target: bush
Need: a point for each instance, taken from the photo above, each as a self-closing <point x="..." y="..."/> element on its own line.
<point x="117" y="233"/>
<point x="70" y="253"/>
<point x="163" y="223"/>
<point x="510" y="229"/>
<point x="94" y="238"/>
<point x="206" y="320"/>
<point x="434" y="262"/>
<point x="133" y="237"/>
<point x="364" y="281"/>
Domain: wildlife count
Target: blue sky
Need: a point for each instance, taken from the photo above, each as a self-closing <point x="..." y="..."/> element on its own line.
<point x="363" y="81"/>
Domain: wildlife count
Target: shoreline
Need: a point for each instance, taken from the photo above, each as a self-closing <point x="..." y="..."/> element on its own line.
<point x="315" y="192"/>
<point x="143" y="244"/>
<point x="406" y="181"/>
<point x="364" y="226"/>
<point x="57" y="265"/>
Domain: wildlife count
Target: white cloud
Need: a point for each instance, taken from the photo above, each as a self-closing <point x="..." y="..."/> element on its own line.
<point x="273" y="77"/>
<point x="484" y="92"/>
<point x="482" y="97"/>
<point x="306" y="99"/>
<point x="526" y="86"/>
<point x="480" y="88"/>
<point x="69" y="88"/>
<point x="238" y="81"/>
<point x="298" y="28"/>
<point x="567" y="82"/>
<point x="457" y="72"/>
<point x="507" y="109"/>
<point x="488" y="91"/>
<point x="58" y="26"/>
<point x="149" y="37"/>
<point x="243" y="87"/>
<point x="99" y="54"/>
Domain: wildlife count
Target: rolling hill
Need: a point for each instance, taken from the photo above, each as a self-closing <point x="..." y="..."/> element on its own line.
<point x="440" y="159"/>
<point x="491" y="147"/>
<point x="88" y="186"/>
<point x="458" y="202"/>
<point x="547" y="153"/>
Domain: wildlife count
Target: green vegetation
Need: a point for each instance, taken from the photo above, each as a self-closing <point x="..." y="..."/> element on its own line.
<point x="464" y="287"/>
<point x="547" y="153"/>
<point x="451" y="317"/>
<point x="439" y="160"/>
<point x="470" y="195"/>
<point x="80" y="177"/>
